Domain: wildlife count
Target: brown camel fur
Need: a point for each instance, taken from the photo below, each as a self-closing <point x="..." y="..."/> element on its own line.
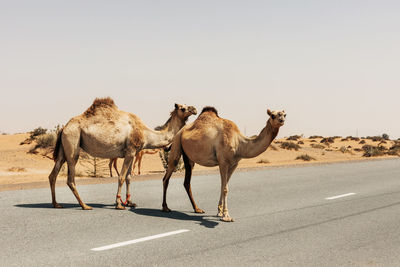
<point x="138" y="160"/>
<point x="105" y="131"/>
<point x="214" y="141"/>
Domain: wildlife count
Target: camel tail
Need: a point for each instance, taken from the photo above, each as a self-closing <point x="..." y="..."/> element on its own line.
<point x="58" y="146"/>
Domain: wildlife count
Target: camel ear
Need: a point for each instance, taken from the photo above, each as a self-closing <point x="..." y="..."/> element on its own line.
<point x="269" y="112"/>
<point x="176" y="106"/>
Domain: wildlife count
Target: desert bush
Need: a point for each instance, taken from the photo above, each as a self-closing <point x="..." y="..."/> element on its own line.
<point x="375" y="138"/>
<point x="164" y="159"/>
<point x="319" y="146"/>
<point x="305" y="157"/>
<point x="263" y="161"/>
<point x="315" y="136"/>
<point x="272" y="147"/>
<point x="290" y="146"/>
<point x="327" y="140"/>
<point x="362" y="142"/>
<point x="93" y="166"/>
<point x="357" y="149"/>
<point x="373" y="151"/>
<point x="394" y="150"/>
<point x="16" y="169"/>
<point x="293" y="138"/>
<point x="38" y="131"/>
<point x="300" y="143"/>
<point x="46" y="140"/>
<point x="385" y="136"/>
<point x="313" y="141"/>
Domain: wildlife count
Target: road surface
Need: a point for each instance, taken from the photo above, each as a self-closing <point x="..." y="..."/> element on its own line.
<point x="345" y="214"/>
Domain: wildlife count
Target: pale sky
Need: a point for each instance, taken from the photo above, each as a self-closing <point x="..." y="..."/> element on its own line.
<point x="333" y="66"/>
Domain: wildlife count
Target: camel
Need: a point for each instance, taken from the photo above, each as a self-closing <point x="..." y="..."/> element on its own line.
<point x="105" y="131"/>
<point x="138" y="160"/>
<point x="213" y="141"/>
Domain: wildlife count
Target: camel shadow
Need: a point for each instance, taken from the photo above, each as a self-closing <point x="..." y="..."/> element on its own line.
<point x="64" y="205"/>
<point x="176" y="215"/>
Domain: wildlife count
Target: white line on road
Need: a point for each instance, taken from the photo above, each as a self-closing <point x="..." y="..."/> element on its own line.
<point x="121" y="244"/>
<point x="340" y="196"/>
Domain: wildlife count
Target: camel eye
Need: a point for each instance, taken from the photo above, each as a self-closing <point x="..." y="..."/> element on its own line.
<point x="183" y="109"/>
<point x="273" y="116"/>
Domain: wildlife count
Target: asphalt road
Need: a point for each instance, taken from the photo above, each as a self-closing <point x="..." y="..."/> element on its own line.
<point x="283" y="218"/>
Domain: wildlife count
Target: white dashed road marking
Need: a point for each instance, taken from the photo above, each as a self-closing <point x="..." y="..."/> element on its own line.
<point x="340" y="196"/>
<point x="121" y="244"/>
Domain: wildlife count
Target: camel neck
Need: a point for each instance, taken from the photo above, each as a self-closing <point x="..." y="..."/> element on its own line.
<point x="252" y="147"/>
<point x="163" y="137"/>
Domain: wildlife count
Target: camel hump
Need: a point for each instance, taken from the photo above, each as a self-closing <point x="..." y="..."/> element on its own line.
<point x="210" y="109"/>
<point x="100" y="103"/>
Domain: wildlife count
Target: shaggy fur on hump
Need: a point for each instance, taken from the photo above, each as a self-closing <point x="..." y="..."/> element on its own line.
<point x="209" y="109"/>
<point x="106" y="102"/>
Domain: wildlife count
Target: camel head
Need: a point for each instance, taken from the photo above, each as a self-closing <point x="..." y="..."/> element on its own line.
<point x="277" y="118"/>
<point x="183" y="111"/>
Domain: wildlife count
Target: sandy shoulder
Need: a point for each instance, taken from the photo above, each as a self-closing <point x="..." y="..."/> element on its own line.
<point x="21" y="170"/>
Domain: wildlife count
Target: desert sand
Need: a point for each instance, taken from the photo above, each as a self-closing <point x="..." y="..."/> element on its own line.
<point x="20" y="169"/>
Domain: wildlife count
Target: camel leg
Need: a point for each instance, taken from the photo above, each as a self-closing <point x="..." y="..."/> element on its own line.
<point x="110" y="166"/>
<point x="53" y="177"/>
<point x="226" y="173"/>
<point x="173" y="160"/>
<point x="134" y="163"/>
<point x="115" y="166"/>
<point x="188" y="176"/>
<point x="121" y="179"/>
<point x="139" y="163"/>
<point x="129" y="202"/>
<point x="71" y="183"/>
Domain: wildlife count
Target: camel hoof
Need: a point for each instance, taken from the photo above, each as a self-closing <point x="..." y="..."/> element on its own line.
<point x="119" y="207"/>
<point x="86" y="207"/>
<point x="166" y="209"/>
<point x="220" y="214"/>
<point x="131" y="204"/>
<point x="198" y="210"/>
<point x="57" y="206"/>
<point x="227" y="219"/>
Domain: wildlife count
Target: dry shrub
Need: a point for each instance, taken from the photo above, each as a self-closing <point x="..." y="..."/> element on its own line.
<point x="327" y="140"/>
<point x="263" y="161"/>
<point x="164" y="155"/>
<point x="394" y="150"/>
<point x="16" y="169"/>
<point x="318" y="146"/>
<point x="373" y="151"/>
<point x="272" y="147"/>
<point x="375" y="138"/>
<point x="362" y="142"/>
<point x="293" y="138"/>
<point x="305" y="157"/>
<point x="300" y="143"/>
<point x="290" y="146"/>
<point x="315" y="136"/>
<point x="38" y="131"/>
